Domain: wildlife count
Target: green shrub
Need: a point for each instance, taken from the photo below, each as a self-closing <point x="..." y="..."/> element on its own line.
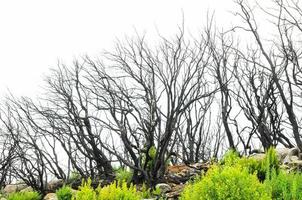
<point x="85" y="192"/>
<point x="263" y="168"/>
<point x="269" y="164"/>
<point x="74" y="175"/>
<point x="123" y="175"/>
<point x="118" y="191"/>
<point x="285" y="186"/>
<point x="64" y="193"/>
<point x="24" y="196"/>
<point x="147" y="193"/>
<point x="114" y="191"/>
<point x="228" y="182"/>
<point x="230" y="158"/>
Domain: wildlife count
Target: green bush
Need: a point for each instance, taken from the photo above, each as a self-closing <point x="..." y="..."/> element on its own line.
<point x="269" y="164"/>
<point x="114" y="191"/>
<point x="228" y="182"/>
<point x="263" y="168"/>
<point x="285" y="186"/>
<point x="232" y="158"/>
<point x="64" y="193"/>
<point x="74" y="175"/>
<point x="85" y="192"/>
<point x="123" y="175"/>
<point x="147" y="193"/>
<point x="24" y="196"/>
<point x="118" y="191"/>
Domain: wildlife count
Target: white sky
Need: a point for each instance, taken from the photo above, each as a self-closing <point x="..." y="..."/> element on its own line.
<point x="35" y="34"/>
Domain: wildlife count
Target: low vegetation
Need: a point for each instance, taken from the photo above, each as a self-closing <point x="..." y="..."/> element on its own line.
<point x="233" y="177"/>
<point x="24" y="196"/>
<point x="118" y="190"/>
<point x="64" y="193"/>
<point x="246" y="178"/>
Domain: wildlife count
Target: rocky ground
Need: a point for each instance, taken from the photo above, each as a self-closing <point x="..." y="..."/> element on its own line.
<point x="177" y="176"/>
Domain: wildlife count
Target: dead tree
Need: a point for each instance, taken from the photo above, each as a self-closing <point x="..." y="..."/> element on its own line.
<point x="35" y="159"/>
<point x="278" y="58"/>
<point x="7" y="153"/>
<point x="257" y="96"/>
<point x="143" y="92"/>
<point x="221" y="51"/>
<point x="65" y="114"/>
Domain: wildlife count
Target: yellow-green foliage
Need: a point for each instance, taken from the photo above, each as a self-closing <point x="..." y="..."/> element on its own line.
<point x="85" y="192"/>
<point x="74" y="176"/>
<point x="229" y="182"/>
<point x="285" y="186"/>
<point x="152" y="152"/>
<point x="123" y="175"/>
<point x="64" y="193"/>
<point x="232" y="158"/>
<point x="269" y="164"/>
<point x="263" y="168"/>
<point x="114" y="191"/>
<point x="24" y="196"/>
<point x="118" y="191"/>
<point x="147" y="193"/>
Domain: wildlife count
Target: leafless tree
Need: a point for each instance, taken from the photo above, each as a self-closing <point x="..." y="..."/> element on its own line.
<point x="66" y="116"/>
<point x="144" y="92"/>
<point x="35" y="159"/>
<point x="197" y="133"/>
<point x="277" y="59"/>
<point x="221" y="50"/>
<point x="7" y="154"/>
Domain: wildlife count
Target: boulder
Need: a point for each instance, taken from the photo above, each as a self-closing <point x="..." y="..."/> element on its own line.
<point x="292" y="154"/>
<point x="55" y="184"/>
<point x="182" y="173"/>
<point x="50" y="196"/>
<point x="258" y="156"/>
<point x="175" y="191"/>
<point x="282" y="153"/>
<point x="27" y="189"/>
<point x="14" y="188"/>
<point x="164" y="188"/>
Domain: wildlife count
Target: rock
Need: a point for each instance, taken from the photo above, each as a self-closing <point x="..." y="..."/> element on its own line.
<point x="175" y="192"/>
<point x="27" y="189"/>
<point x="2" y="197"/>
<point x="282" y="153"/>
<point x="55" y="184"/>
<point x="50" y="196"/>
<point x="200" y="166"/>
<point x="14" y="188"/>
<point x="292" y="154"/>
<point x="294" y="158"/>
<point x="74" y="191"/>
<point x="164" y="188"/>
<point x="258" y="156"/>
<point x="182" y="173"/>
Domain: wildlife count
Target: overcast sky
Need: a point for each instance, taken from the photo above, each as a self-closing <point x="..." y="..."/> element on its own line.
<point x="35" y="34"/>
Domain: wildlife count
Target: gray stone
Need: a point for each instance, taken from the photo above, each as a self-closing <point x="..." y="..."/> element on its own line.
<point x="282" y="153"/>
<point x="55" y="184"/>
<point x="14" y="188"/>
<point x="164" y="188"/>
<point x="258" y="156"/>
<point x="51" y="196"/>
<point x="27" y="189"/>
